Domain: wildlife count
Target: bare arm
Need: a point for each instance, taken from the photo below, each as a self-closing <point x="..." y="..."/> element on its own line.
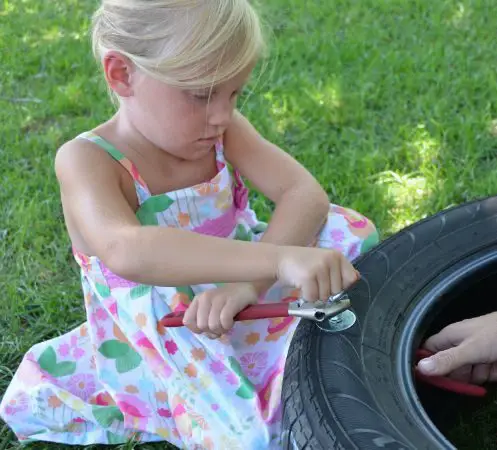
<point x="301" y="203"/>
<point x="94" y="200"/>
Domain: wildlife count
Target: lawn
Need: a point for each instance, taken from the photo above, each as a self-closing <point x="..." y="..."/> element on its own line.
<point x="390" y="104"/>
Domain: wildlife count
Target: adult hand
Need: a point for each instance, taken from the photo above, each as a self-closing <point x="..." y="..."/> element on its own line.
<point x="465" y="350"/>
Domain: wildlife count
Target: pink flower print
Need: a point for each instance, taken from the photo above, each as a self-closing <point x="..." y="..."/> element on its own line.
<point x="221" y="226"/>
<point x="82" y="385"/>
<point x="64" y="350"/>
<point x="253" y="363"/>
<point x="232" y="379"/>
<point x="19" y="403"/>
<point x="161" y="369"/>
<point x="78" y="352"/>
<point x="215" y="407"/>
<point x="103" y="399"/>
<point x="132" y="406"/>
<point x="157" y="365"/>
<point x="79" y="420"/>
<point x="217" y="367"/>
<point x="164" y="413"/>
<point x="112" y="308"/>
<point x="180" y="409"/>
<point x="71" y="349"/>
<point x="74" y="340"/>
<point x="145" y="343"/>
<point x="337" y="235"/>
<point x="269" y="393"/>
<point x="115" y="281"/>
<point x="171" y="347"/>
<point x="101" y="333"/>
<point x="100" y="314"/>
<point x="353" y="251"/>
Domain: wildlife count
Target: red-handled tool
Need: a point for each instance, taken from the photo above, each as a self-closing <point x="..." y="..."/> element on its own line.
<point x="322" y="311"/>
<point x="317" y="311"/>
<point x="446" y="383"/>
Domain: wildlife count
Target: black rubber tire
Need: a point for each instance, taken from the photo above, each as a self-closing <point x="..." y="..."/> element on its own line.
<point x="354" y="389"/>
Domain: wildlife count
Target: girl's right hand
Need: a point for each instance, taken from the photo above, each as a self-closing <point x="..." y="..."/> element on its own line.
<point x="319" y="273"/>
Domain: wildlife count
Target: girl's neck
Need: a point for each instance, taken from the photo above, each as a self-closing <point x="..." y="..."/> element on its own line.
<point x="132" y="143"/>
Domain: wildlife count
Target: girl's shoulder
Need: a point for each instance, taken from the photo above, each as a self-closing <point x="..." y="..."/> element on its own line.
<point x="82" y="163"/>
<point x="80" y="155"/>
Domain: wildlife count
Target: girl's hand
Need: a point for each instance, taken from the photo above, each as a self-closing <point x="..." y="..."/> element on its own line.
<point x="319" y="273"/>
<point x="212" y="311"/>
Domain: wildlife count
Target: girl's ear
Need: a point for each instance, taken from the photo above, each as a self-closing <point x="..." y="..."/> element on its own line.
<point x="118" y="69"/>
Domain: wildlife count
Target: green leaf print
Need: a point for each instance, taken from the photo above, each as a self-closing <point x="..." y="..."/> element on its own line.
<point x="146" y="214"/>
<point x="114" y="349"/>
<point x="63" y="369"/>
<point x="261" y="227"/>
<point x="370" y="242"/>
<point x="113" y="438"/>
<point x="187" y="290"/>
<point x="128" y="362"/>
<point x="246" y="389"/>
<point x="48" y="362"/>
<point x="242" y="234"/>
<point x="126" y="357"/>
<point x="47" y="359"/>
<point x="103" y="290"/>
<point x="105" y="415"/>
<point x="140" y="291"/>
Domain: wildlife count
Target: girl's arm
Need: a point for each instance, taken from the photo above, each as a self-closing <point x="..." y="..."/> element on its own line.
<point x="96" y="208"/>
<point x="302" y="205"/>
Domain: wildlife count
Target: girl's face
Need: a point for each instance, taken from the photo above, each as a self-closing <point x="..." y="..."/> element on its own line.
<point x="185" y="123"/>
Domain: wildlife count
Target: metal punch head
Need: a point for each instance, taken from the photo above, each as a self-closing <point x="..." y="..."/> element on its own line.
<point x="331" y="316"/>
<point x="341" y="321"/>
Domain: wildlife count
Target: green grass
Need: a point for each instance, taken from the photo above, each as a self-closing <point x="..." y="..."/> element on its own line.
<point x="389" y="103"/>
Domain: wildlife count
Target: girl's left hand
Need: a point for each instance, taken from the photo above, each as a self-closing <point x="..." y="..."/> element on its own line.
<point x="212" y="312"/>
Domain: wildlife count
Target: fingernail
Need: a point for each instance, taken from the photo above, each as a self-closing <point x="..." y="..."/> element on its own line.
<point x="427" y="365"/>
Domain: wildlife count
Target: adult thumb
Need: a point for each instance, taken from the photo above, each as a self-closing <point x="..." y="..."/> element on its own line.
<point x="445" y="361"/>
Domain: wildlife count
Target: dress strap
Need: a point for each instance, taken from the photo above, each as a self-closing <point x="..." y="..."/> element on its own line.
<point x="116" y="154"/>
<point x="240" y="191"/>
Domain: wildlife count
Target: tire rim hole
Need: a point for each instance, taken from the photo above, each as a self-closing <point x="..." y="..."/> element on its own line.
<point x="454" y="414"/>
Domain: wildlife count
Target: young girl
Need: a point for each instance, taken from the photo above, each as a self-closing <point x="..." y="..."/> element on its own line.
<point x="158" y="216"/>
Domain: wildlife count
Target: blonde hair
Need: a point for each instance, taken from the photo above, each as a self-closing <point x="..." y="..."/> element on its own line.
<point x="186" y="43"/>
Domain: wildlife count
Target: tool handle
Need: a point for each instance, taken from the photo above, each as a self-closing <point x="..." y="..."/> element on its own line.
<point x="252" y="312"/>
<point x="451" y="385"/>
<point x="447" y="383"/>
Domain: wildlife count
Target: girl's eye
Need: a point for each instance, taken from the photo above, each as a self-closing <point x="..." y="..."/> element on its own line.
<point x="202" y="96"/>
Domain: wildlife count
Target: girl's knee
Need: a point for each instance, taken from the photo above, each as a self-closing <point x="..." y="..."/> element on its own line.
<point x="348" y="231"/>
